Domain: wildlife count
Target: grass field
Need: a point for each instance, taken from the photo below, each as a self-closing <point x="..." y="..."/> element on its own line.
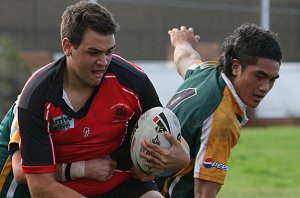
<point x="264" y="164"/>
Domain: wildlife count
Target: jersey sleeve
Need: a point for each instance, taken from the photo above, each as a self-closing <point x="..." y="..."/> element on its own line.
<point x="218" y="136"/>
<point x="14" y="132"/>
<point x="4" y="136"/>
<point x="15" y="138"/>
<point x="6" y="123"/>
<point x="36" y="145"/>
<point x="148" y="96"/>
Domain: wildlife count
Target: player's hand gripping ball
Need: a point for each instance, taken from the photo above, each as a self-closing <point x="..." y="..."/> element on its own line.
<point x="151" y="126"/>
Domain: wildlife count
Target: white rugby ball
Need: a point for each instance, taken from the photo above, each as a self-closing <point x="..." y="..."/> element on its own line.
<point x="151" y="126"/>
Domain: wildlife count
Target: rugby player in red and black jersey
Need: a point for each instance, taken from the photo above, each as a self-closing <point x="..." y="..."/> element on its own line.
<point x="82" y="107"/>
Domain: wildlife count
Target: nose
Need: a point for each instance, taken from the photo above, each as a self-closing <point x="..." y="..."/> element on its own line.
<point x="102" y="59"/>
<point x="265" y="86"/>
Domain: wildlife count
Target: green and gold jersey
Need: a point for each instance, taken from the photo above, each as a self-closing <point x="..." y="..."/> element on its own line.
<point x="211" y="115"/>
<point x="8" y="186"/>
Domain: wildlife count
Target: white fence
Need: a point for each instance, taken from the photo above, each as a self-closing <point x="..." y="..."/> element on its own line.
<point x="281" y="102"/>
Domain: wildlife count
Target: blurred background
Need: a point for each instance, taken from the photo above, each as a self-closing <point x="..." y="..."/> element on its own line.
<point x="29" y="31"/>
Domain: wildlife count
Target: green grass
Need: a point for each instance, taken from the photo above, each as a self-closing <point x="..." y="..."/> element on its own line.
<point x="265" y="163"/>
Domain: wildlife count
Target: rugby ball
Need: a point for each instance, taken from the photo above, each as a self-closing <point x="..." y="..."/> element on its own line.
<point x="151" y="126"/>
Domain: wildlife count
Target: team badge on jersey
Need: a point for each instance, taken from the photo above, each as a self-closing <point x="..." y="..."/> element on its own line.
<point x="120" y="112"/>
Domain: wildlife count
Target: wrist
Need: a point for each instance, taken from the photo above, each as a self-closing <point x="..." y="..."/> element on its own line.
<point x="77" y="170"/>
<point x="73" y="171"/>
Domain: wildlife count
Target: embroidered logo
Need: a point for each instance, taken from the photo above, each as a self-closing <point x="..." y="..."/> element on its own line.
<point x="86" y="131"/>
<point x="62" y="122"/>
<point x="120" y="112"/>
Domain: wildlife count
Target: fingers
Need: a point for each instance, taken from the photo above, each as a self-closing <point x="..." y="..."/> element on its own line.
<point x="107" y="177"/>
<point x="154" y="155"/>
<point x="171" y="138"/>
<point x="183" y="34"/>
<point x="182" y="28"/>
<point x="152" y="149"/>
<point x="113" y="164"/>
<point x="151" y="162"/>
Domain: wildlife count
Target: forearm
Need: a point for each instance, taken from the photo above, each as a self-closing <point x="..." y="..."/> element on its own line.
<point x="206" y="189"/>
<point x="100" y="169"/>
<point x="19" y="175"/>
<point x="184" y="42"/>
<point x="184" y="53"/>
<point x="44" y="185"/>
<point x="17" y="168"/>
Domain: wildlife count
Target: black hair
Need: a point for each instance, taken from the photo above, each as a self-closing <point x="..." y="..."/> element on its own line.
<point x="248" y="43"/>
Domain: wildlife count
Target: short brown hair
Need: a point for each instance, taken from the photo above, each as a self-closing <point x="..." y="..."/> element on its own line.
<point x="84" y="15"/>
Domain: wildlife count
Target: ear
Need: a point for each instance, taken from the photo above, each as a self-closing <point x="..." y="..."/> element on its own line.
<point x="235" y="67"/>
<point x="67" y="46"/>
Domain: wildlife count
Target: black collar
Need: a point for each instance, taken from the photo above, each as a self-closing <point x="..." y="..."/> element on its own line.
<point x="56" y="92"/>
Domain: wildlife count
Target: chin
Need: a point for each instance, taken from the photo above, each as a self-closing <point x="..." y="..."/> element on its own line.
<point x="253" y="104"/>
<point x="250" y="103"/>
<point x="95" y="83"/>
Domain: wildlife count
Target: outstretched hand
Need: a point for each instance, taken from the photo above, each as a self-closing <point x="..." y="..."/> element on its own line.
<point x="175" y="157"/>
<point x="183" y="35"/>
<point x="185" y="43"/>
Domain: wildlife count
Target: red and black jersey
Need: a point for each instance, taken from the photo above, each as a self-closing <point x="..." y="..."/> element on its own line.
<point x="51" y="132"/>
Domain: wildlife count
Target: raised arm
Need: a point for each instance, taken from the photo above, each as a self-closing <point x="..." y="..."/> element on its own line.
<point x="184" y="42"/>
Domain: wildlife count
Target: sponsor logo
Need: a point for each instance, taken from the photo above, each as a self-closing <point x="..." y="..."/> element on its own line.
<point x="210" y="163"/>
<point x="62" y="122"/>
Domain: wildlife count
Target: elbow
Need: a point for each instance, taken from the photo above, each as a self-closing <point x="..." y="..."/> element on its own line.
<point x="20" y="179"/>
<point x="38" y="187"/>
<point x="19" y="176"/>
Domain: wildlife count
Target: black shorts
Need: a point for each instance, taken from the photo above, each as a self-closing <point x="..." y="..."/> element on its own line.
<point x="131" y="188"/>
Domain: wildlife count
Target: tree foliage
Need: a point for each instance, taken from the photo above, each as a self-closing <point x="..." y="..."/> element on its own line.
<point x="13" y="73"/>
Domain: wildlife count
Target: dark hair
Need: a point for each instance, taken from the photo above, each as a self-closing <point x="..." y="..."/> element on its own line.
<point x="248" y="43"/>
<point x="84" y="15"/>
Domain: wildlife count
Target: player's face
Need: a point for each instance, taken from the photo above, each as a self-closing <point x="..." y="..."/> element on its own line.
<point x="255" y="81"/>
<point x="90" y="60"/>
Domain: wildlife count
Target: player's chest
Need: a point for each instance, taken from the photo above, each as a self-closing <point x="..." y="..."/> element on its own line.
<point x="107" y="118"/>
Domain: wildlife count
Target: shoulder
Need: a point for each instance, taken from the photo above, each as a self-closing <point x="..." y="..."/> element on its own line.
<point x="204" y="68"/>
<point x="119" y="64"/>
<point x="119" y="60"/>
<point x="127" y="73"/>
<point x="39" y="83"/>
